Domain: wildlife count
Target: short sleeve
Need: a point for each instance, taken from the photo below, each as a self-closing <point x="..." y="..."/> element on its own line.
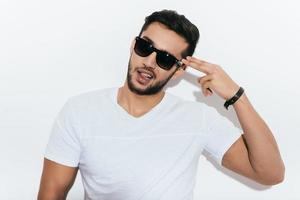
<point x="64" y="143"/>
<point x="221" y="134"/>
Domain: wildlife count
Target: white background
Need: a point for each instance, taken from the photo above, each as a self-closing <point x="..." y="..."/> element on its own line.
<point x="50" y="50"/>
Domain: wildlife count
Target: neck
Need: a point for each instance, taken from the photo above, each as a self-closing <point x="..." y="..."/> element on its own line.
<point x="135" y="104"/>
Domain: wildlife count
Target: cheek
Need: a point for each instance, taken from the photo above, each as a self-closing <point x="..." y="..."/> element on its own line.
<point x="135" y="60"/>
<point x="163" y="75"/>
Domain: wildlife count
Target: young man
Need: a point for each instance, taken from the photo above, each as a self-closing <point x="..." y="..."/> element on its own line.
<point x="139" y="142"/>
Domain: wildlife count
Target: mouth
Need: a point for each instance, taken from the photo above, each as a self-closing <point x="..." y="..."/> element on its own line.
<point x="144" y="76"/>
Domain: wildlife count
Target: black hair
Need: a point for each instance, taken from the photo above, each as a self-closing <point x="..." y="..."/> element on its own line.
<point x="177" y="23"/>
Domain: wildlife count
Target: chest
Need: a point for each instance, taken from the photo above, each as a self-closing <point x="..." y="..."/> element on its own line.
<point x="115" y="159"/>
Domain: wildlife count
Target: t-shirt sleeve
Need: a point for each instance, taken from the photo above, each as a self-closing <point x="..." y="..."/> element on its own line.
<point x="64" y="143"/>
<point x="221" y="134"/>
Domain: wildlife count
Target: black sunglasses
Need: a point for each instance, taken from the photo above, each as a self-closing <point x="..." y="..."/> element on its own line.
<point x="164" y="60"/>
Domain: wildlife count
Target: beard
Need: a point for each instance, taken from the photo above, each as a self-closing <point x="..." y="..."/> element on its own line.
<point x="152" y="89"/>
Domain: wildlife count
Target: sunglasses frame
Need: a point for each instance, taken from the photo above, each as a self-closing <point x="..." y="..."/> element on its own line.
<point x="158" y="52"/>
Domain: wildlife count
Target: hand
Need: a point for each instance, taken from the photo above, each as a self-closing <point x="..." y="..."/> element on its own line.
<point x="216" y="79"/>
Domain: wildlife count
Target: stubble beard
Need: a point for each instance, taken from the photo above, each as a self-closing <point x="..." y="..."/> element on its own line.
<point x="152" y="89"/>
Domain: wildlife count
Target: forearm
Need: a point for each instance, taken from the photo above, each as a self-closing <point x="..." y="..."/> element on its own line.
<point x="263" y="151"/>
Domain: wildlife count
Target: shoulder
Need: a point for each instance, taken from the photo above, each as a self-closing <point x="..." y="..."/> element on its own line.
<point x="89" y="101"/>
<point x="188" y="105"/>
<point x="90" y="97"/>
<point x="188" y="110"/>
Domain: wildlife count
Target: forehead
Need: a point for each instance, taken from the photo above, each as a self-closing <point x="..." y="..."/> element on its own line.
<point x="165" y="39"/>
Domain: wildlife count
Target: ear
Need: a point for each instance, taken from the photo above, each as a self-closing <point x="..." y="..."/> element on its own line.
<point x="179" y="72"/>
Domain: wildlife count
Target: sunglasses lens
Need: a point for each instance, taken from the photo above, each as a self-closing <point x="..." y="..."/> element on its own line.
<point x="142" y="48"/>
<point x="165" y="61"/>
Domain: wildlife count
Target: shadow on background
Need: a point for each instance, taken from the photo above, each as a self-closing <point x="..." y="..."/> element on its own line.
<point x="216" y="102"/>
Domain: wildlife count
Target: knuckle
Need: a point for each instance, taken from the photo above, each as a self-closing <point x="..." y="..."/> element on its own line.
<point x="216" y="68"/>
<point x="214" y="75"/>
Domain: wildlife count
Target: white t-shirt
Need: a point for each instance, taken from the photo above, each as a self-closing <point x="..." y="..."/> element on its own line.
<point x="154" y="156"/>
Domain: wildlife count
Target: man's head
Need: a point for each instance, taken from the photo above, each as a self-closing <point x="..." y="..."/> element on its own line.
<point x="165" y="34"/>
<point x="177" y="23"/>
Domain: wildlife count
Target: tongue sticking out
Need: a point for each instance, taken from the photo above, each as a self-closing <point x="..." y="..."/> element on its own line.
<point x="144" y="78"/>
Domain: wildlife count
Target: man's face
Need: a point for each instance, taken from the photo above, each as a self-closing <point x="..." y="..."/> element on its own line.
<point x="144" y="76"/>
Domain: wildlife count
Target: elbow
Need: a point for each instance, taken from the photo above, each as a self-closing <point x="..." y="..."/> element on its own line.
<point x="273" y="181"/>
<point x="274" y="178"/>
<point x="280" y="177"/>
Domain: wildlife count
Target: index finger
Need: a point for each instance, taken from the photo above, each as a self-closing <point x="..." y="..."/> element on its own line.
<point x="198" y="64"/>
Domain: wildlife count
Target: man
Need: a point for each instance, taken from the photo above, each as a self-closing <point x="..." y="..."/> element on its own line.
<point x="139" y="142"/>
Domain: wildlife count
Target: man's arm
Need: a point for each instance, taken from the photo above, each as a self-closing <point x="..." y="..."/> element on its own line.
<point x="56" y="181"/>
<point x="255" y="154"/>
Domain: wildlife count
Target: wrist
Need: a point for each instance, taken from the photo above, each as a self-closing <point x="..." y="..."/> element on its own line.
<point x="234" y="98"/>
<point x="241" y="100"/>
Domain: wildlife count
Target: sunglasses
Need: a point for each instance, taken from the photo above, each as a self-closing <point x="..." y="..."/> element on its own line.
<point x="164" y="60"/>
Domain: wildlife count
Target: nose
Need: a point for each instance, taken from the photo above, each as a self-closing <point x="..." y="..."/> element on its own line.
<point x="150" y="61"/>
